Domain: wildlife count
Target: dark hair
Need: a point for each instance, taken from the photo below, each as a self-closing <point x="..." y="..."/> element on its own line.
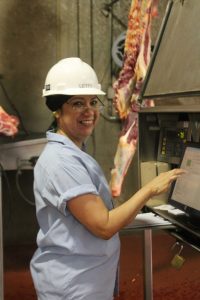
<point x="53" y="126"/>
<point x="55" y="102"/>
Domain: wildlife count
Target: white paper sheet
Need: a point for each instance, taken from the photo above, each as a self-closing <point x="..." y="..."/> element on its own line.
<point x="143" y="220"/>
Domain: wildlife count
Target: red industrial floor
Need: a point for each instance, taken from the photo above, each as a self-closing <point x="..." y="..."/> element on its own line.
<point x="169" y="283"/>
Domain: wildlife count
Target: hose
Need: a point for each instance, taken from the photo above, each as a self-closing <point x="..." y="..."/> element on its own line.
<point x="18" y="173"/>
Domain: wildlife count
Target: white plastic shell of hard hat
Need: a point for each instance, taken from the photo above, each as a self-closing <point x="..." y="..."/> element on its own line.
<point x="72" y="76"/>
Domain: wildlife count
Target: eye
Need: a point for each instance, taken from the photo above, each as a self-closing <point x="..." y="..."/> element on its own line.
<point x="78" y="104"/>
<point x="94" y="103"/>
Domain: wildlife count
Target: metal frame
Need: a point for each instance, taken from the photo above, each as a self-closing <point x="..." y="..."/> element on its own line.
<point x="1" y="242"/>
<point x="156" y="48"/>
<point x="147" y="236"/>
<point x="148" y="265"/>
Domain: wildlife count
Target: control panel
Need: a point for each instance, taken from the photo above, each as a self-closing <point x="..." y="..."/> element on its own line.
<point x="172" y="140"/>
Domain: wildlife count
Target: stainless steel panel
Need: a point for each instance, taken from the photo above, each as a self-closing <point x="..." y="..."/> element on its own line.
<point x="174" y="68"/>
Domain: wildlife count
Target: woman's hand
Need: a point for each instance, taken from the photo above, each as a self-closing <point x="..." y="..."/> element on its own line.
<point x="162" y="182"/>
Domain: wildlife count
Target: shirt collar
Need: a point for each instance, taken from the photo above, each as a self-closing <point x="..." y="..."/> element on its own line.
<point x="55" y="137"/>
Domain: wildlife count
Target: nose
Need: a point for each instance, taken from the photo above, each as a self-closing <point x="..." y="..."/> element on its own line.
<point x="88" y="107"/>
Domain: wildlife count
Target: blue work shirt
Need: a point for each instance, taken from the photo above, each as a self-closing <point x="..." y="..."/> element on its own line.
<point x="70" y="262"/>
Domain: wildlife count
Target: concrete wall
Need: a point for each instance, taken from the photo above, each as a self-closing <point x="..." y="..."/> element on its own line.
<point x="33" y="36"/>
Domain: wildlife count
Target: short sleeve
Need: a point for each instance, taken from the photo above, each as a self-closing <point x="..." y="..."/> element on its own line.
<point x="67" y="181"/>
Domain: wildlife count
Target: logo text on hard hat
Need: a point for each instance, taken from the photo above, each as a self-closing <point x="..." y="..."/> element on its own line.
<point x="47" y="87"/>
<point x="85" y="85"/>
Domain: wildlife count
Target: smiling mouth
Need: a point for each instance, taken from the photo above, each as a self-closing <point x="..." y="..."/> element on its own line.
<point x="87" y="122"/>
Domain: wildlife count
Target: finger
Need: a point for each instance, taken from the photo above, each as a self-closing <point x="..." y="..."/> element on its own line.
<point x="176" y="176"/>
<point x="179" y="171"/>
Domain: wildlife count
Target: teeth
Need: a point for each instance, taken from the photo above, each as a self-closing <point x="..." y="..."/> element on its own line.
<point x="87" y="122"/>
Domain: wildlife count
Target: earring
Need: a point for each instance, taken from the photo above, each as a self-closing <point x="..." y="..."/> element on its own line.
<point x="55" y="114"/>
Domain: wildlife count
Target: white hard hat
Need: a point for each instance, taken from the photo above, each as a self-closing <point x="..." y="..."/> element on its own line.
<point x="72" y="76"/>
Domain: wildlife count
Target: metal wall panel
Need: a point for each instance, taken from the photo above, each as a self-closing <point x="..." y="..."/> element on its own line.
<point x="175" y="67"/>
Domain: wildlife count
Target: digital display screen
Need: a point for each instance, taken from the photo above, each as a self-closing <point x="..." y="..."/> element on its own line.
<point x="186" y="190"/>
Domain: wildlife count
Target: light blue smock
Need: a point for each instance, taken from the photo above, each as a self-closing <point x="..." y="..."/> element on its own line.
<point x="70" y="262"/>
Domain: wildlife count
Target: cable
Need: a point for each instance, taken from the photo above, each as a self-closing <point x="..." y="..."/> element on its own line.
<point x="10" y="197"/>
<point x="18" y="173"/>
<point x="107" y="9"/>
<point x="91" y="33"/>
<point x="112" y="2"/>
<point x="58" y="30"/>
<point x="109" y="66"/>
<point x="78" y="28"/>
<point x="110" y="118"/>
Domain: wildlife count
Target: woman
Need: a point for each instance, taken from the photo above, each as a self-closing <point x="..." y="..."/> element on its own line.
<point x="78" y="243"/>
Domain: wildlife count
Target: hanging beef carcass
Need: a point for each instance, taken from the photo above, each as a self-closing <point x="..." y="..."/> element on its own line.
<point x="128" y="85"/>
<point x="8" y="123"/>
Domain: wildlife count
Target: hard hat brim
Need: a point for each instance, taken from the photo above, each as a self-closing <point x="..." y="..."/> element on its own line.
<point x="76" y="91"/>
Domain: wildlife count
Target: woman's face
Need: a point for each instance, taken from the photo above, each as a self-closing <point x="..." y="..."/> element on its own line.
<point x="78" y="117"/>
